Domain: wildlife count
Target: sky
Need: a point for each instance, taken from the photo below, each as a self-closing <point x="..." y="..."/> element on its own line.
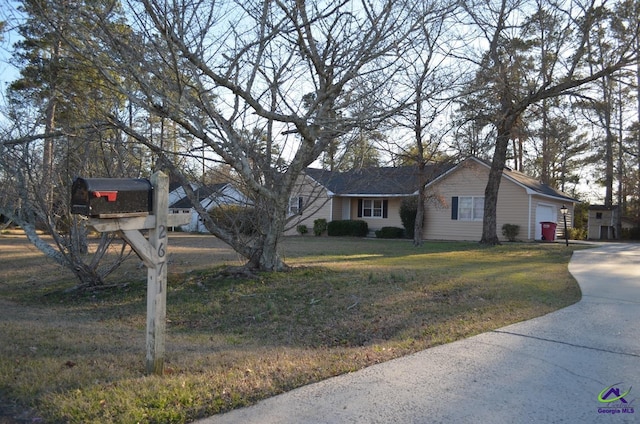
<point x="9" y="73"/>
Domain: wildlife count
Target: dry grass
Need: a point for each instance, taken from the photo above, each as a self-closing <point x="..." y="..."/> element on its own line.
<point x="348" y="303"/>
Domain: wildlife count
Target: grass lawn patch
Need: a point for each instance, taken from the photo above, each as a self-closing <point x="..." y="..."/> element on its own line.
<point x="347" y="304"/>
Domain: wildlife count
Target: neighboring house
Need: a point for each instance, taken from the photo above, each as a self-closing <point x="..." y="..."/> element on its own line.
<point x="602" y="222"/>
<point x="455" y="204"/>
<point x="373" y="195"/>
<point x="210" y="196"/>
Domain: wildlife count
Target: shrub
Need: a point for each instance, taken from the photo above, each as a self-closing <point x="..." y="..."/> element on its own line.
<point x="631" y="233"/>
<point x="237" y="219"/>
<point x="510" y="231"/>
<point x="319" y="226"/>
<point x="577" y="233"/>
<point x="408" y="210"/>
<point x="390" y="232"/>
<point x="354" y="228"/>
<point x="302" y="229"/>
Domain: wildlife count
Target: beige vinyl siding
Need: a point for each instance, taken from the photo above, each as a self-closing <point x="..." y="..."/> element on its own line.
<point x="336" y="212"/>
<point x="321" y="208"/>
<point x="512" y="208"/>
<point x="331" y="209"/>
<point x="316" y="205"/>
<point x="471" y="180"/>
<point x="464" y="181"/>
<point x="376" y="223"/>
<point x="515" y="206"/>
<point x="394" y="214"/>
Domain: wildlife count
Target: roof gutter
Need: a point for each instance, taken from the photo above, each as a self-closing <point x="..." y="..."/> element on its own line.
<point x="531" y="192"/>
<point x="371" y="195"/>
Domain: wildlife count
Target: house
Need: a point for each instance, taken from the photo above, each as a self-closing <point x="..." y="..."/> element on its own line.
<point x="602" y="221"/>
<point x="373" y="195"/>
<point x="209" y="197"/>
<point x="454" y="205"/>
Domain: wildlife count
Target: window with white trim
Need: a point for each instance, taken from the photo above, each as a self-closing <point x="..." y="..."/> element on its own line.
<point x="295" y="205"/>
<point x="372" y="208"/>
<point x="467" y="208"/>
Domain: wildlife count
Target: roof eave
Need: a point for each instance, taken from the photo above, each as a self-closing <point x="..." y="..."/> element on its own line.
<point x="375" y="194"/>
<point x="531" y="191"/>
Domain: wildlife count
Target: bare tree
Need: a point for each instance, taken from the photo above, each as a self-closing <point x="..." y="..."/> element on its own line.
<point x="51" y="133"/>
<point x="219" y="68"/>
<point x="430" y="77"/>
<point x="564" y="67"/>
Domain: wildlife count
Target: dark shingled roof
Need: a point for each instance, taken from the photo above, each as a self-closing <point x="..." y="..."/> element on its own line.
<point x="384" y="181"/>
<point x="536" y="185"/>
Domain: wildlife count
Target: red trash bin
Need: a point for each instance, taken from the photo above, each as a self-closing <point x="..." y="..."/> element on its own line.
<point x="548" y="230"/>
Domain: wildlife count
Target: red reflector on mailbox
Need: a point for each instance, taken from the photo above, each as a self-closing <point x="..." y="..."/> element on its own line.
<point x="110" y="195"/>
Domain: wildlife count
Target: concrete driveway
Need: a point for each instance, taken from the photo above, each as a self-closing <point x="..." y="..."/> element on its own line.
<point x="547" y="370"/>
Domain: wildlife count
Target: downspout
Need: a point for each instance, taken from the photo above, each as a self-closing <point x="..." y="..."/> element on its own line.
<point x="529" y="221"/>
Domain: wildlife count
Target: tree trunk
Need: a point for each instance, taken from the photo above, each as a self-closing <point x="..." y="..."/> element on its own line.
<point x="545" y="166"/>
<point x="608" y="158"/>
<point x="266" y="257"/>
<point x="489" y="221"/>
<point x="638" y="135"/>
<point x="264" y="251"/>
<point x="419" y="224"/>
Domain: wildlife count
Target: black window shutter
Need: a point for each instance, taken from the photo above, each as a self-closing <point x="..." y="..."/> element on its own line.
<point x="300" y="205"/>
<point x="359" y="208"/>
<point x="454" y="207"/>
<point x="385" y="208"/>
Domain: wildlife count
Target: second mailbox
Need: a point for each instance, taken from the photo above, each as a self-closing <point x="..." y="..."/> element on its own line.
<point x="111" y="197"/>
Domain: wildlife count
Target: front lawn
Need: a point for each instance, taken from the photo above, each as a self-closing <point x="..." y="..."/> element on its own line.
<point x="348" y="303"/>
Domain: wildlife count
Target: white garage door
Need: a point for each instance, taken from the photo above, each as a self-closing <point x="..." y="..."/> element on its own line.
<point x="544" y="213"/>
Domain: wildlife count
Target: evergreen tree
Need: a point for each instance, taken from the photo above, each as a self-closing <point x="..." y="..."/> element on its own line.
<point x="64" y="98"/>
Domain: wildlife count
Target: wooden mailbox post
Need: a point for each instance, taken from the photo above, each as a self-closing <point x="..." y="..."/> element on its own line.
<point x="153" y="252"/>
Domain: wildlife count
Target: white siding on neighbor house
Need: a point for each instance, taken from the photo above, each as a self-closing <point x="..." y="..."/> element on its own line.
<point x="515" y="206"/>
<point x="228" y="196"/>
<point x="601" y="228"/>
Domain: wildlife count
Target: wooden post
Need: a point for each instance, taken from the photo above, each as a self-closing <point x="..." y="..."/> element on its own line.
<point x="157" y="276"/>
<point x="153" y="253"/>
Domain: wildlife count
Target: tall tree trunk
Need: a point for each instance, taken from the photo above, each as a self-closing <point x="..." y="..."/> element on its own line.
<point x="420" y="207"/>
<point x="545" y="166"/>
<point x="47" y="157"/>
<point x="621" y="198"/>
<point x="638" y="135"/>
<point x="418" y="133"/>
<point x="608" y="158"/>
<point x="47" y="183"/>
<point x="489" y="219"/>
<point x="608" y="140"/>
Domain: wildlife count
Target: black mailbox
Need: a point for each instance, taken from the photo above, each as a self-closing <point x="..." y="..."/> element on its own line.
<point x="111" y="197"/>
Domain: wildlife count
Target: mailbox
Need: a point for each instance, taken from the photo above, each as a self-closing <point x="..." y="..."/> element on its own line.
<point x="111" y="197"/>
